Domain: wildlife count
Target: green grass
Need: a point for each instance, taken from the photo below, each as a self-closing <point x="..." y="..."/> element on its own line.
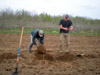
<point x="85" y="33"/>
<point x="47" y="31"/>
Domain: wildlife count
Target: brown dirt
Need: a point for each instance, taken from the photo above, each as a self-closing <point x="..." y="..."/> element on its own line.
<point x="53" y="64"/>
<point x="41" y="49"/>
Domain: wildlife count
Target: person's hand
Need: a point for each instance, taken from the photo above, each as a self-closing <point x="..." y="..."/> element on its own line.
<point x="71" y="28"/>
<point x="66" y="29"/>
<point x="61" y="27"/>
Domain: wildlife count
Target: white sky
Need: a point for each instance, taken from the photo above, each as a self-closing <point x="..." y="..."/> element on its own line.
<point x="85" y="8"/>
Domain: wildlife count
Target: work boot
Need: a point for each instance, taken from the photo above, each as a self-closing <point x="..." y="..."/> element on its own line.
<point x="67" y="52"/>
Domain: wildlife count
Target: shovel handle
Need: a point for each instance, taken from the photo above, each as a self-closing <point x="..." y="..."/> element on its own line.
<point x="20" y="45"/>
<point x="21" y="36"/>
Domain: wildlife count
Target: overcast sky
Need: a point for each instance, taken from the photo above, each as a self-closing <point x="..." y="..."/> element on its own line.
<point x="85" y="8"/>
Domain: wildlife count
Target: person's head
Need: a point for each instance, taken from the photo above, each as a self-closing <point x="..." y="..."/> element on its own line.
<point x="66" y="17"/>
<point x="41" y="33"/>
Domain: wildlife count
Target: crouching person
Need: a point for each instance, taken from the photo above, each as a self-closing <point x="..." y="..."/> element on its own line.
<point x="36" y="34"/>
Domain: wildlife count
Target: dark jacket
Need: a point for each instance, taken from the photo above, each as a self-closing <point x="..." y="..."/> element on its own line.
<point x="36" y="35"/>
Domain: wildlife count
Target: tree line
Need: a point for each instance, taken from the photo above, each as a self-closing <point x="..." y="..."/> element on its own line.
<point x="12" y="19"/>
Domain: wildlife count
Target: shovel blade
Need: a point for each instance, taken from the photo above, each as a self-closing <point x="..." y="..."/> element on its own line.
<point x="80" y="55"/>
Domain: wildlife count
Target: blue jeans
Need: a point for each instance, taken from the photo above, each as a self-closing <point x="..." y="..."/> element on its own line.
<point x="31" y="44"/>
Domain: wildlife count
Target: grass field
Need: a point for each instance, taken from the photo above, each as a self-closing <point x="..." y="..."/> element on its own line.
<point x="47" y="31"/>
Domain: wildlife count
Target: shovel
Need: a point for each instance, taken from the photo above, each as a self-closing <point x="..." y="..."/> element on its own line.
<point x="19" y="49"/>
<point x="78" y="54"/>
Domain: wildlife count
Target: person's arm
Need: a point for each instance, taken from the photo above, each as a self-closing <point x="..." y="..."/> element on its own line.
<point x="61" y="27"/>
<point x="71" y="28"/>
<point x="41" y="40"/>
<point x="34" y="39"/>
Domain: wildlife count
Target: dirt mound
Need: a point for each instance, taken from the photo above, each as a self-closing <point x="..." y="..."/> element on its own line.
<point x="45" y="56"/>
<point x="92" y="56"/>
<point x="7" y="56"/>
<point x="67" y="57"/>
<point x="41" y="49"/>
